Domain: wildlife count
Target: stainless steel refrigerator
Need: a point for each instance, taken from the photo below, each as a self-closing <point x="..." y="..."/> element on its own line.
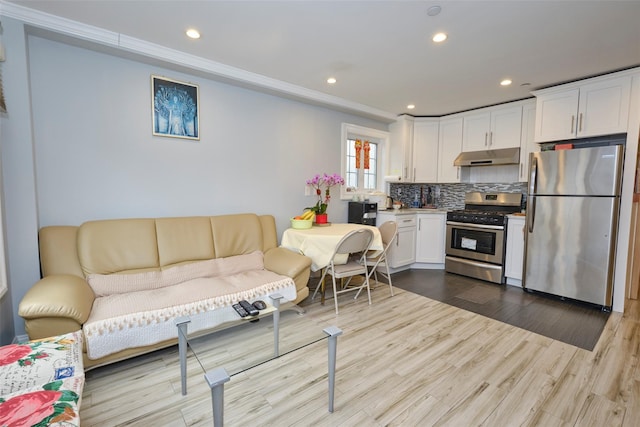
<point x="572" y="221"/>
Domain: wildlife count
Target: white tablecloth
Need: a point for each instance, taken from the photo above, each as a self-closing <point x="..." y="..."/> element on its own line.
<point x="318" y="243"/>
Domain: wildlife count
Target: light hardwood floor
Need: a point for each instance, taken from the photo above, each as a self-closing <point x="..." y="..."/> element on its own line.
<point x="405" y="360"/>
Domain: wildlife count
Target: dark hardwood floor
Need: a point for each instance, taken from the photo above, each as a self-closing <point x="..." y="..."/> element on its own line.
<point x="567" y="321"/>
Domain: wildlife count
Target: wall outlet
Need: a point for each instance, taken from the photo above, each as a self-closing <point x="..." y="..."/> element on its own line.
<point x="307" y="190"/>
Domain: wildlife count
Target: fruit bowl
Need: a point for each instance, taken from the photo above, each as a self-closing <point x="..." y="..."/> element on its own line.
<point x="301" y="224"/>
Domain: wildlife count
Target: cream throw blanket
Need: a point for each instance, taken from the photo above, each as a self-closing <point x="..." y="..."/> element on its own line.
<point x="144" y="317"/>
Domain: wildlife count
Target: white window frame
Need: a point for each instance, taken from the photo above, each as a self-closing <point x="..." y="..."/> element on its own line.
<point x="351" y="131"/>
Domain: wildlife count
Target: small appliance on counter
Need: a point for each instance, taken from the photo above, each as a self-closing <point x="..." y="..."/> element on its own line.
<point x="377" y="197"/>
<point x="362" y="213"/>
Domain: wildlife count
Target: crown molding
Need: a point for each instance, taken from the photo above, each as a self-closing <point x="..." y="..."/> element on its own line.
<point x="201" y="66"/>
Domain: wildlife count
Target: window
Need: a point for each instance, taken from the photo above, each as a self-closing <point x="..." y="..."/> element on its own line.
<point x="363" y="155"/>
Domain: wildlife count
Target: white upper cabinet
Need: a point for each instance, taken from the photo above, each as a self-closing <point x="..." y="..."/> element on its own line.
<point x="425" y="150"/>
<point x="449" y="146"/>
<point x="527" y="141"/>
<point x="600" y="107"/>
<point x="401" y="148"/>
<point x="492" y="128"/>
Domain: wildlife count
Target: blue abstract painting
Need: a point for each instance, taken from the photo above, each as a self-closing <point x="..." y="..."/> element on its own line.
<point x="175" y="108"/>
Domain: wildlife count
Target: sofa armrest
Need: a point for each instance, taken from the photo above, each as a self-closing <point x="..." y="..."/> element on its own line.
<point x="58" y="296"/>
<point x="286" y="262"/>
<point x="289" y="263"/>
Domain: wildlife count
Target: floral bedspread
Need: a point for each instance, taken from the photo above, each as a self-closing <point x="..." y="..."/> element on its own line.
<point x="41" y="382"/>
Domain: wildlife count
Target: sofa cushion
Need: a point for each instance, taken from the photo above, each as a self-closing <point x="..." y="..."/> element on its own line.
<point x="118" y="245"/>
<point x="236" y="234"/>
<point x="136" y="319"/>
<point x="111" y="284"/>
<point x="184" y="239"/>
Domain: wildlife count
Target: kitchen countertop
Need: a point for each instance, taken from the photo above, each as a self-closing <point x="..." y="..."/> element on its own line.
<point x="407" y="211"/>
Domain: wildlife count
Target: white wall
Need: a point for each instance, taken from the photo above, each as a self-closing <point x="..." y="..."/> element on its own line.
<point x="95" y="156"/>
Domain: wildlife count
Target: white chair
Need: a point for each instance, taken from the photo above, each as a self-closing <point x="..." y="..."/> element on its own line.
<point x="389" y="233"/>
<point x="356" y="242"/>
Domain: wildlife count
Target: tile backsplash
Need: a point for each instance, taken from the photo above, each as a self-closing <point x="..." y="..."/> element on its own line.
<point x="451" y="196"/>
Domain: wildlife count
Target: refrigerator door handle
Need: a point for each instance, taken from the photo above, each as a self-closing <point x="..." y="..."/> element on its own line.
<point x="533" y="188"/>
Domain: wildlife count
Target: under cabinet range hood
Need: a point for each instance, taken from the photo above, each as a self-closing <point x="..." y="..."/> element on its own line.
<point x="503" y="156"/>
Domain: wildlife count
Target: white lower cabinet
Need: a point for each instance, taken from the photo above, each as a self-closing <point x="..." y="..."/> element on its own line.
<point x="402" y="252"/>
<point x="514" y="260"/>
<point x="430" y="243"/>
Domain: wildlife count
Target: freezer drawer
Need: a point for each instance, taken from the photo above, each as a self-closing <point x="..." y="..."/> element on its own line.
<point x="570" y="247"/>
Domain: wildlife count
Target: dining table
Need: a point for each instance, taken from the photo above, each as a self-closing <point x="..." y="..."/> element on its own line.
<point x="319" y="242"/>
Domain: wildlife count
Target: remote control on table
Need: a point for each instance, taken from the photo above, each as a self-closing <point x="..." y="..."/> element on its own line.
<point x="241" y="311"/>
<point x="249" y="308"/>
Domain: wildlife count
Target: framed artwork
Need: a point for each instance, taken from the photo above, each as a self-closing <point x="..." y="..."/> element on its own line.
<point x="175" y="108"/>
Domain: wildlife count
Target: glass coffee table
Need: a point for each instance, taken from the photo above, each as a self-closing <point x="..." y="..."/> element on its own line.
<point x="252" y="341"/>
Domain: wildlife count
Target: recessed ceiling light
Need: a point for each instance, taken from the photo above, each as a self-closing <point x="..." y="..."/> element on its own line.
<point x="193" y="33"/>
<point x="331" y="80"/>
<point x="411" y="107"/>
<point x="505" y="82"/>
<point x="439" y="37"/>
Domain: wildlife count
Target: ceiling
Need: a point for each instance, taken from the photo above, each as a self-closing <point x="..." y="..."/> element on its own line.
<point x="381" y="52"/>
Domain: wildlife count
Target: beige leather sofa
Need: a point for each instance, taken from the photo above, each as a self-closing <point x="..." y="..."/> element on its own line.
<point x="114" y="269"/>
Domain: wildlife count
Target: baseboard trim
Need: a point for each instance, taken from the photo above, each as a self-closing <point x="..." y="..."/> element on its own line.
<point x="20" y="339"/>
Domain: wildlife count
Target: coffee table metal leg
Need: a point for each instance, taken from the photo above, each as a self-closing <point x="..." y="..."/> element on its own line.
<point x="333" y="332"/>
<point x="275" y="298"/>
<point x="182" y="323"/>
<point x="216" y="380"/>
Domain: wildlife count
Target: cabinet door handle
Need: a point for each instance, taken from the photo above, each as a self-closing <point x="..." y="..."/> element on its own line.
<point x="419" y="223"/>
<point x="521" y="167"/>
<point x="580" y="123"/>
<point x="485" y="138"/>
<point x="414" y="174"/>
<point x="490" y="139"/>
<point x="573" y="120"/>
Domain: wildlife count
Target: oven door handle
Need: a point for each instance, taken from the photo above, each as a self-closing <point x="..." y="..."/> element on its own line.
<point x="471" y="226"/>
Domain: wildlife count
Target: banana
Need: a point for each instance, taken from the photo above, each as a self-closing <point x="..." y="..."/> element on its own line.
<point x="307" y="215"/>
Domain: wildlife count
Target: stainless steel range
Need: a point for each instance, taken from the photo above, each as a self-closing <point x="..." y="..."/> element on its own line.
<point x="476" y="236"/>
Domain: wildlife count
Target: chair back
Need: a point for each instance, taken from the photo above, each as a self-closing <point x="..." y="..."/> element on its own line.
<point x="356" y="241"/>
<point x="388" y="232"/>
